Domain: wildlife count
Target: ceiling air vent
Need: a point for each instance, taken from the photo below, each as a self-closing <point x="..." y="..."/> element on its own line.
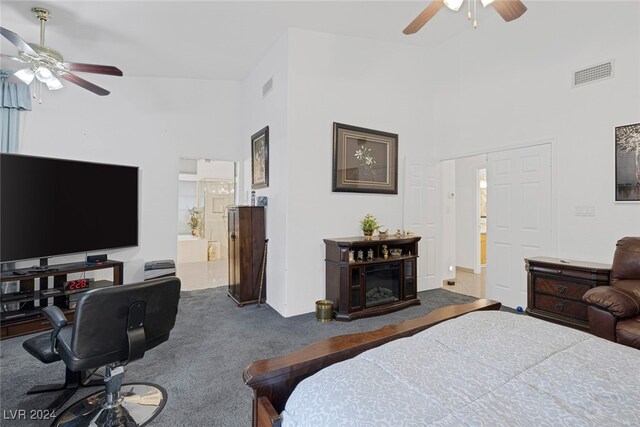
<point x="267" y="87"/>
<point x="593" y="74"/>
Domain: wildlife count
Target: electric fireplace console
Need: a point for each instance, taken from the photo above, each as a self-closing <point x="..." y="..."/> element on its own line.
<point x="361" y="282"/>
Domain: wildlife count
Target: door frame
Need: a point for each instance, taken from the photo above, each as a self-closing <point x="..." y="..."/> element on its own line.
<point x="477" y="265"/>
<point x="449" y="252"/>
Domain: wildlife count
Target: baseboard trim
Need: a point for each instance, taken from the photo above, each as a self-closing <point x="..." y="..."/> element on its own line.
<point x="463" y="269"/>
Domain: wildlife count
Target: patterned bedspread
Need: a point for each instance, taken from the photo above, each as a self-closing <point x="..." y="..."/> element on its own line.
<point x="483" y="369"/>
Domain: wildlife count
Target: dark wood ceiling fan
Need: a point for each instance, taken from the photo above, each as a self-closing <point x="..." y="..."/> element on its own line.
<point x="47" y="65"/>
<point x="507" y="9"/>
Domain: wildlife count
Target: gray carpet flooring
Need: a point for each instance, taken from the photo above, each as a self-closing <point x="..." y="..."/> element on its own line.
<point x="201" y="365"/>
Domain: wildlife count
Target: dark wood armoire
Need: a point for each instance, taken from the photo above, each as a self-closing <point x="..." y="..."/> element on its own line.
<point x="246" y="251"/>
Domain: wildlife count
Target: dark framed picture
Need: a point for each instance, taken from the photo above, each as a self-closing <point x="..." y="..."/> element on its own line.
<point x="260" y="159"/>
<point x="628" y="163"/>
<point x="364" y="160"/>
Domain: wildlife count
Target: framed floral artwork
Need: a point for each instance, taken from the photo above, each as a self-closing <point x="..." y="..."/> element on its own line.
<point x="628" y="163"/>
<point x="364" y="160"/>
<point x="260" y="159"/>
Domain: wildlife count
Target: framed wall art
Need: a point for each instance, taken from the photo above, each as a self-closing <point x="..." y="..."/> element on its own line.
<point x="364" y="160"/>
<point x="260" y="159"/>
<point x="627" y="141"/>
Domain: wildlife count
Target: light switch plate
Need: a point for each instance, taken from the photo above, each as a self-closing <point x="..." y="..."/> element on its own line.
<point x="585" y="210"/>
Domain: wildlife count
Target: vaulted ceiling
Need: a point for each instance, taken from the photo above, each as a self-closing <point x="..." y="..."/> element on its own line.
<point x="218" y="40"/>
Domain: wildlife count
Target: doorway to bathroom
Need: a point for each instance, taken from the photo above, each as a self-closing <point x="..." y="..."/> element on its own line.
<point x="206" y="189"/>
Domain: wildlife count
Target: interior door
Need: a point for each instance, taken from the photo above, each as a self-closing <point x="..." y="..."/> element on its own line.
<point x="518" y="219"/>
<point x="421" y="216"/>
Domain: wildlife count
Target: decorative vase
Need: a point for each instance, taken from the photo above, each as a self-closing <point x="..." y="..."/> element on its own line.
<point x="367" y="234"/>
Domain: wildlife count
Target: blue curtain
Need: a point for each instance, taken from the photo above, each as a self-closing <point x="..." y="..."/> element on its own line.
<point x="14" y="97"/>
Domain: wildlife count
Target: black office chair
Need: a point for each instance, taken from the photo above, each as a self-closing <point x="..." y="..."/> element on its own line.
<point x="112" y="327"/>
<point x="40" y="348"/>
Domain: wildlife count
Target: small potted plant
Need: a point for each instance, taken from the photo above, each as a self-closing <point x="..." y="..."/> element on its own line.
<point x="369" y="224"/>
<point x="194" y="220"/>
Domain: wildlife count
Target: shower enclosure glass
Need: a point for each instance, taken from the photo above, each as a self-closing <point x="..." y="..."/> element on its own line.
<point x="213" y="198"/>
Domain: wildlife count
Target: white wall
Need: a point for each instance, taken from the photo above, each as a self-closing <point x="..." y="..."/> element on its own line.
<point x="510" y="84"/>
<point x="318" y="79"/>
<point x="149" y="123"/>
<point x="467" y="210"/>
<point x="358" y="82"/>
<point x="272" y="111"/>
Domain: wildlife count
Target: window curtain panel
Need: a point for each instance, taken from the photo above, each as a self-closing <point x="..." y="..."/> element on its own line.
<point x="14" y="97"/>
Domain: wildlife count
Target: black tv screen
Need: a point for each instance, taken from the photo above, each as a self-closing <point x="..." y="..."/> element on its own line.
<point x="52" y="207"/>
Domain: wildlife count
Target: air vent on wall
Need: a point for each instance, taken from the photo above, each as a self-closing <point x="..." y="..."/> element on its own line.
<point x="267" y="87"/>
<point x="593" y="74"/>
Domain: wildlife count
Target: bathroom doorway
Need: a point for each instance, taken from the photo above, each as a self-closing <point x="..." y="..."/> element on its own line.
<point x="206" y="188"/>
<point x="470" y="184"/>
<point x="482" y="219"/>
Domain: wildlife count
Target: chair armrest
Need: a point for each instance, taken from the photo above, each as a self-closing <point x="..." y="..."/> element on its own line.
<point x="602" y="323"/>
<point x="56" y="317"/>
<point x="619" y="302"/>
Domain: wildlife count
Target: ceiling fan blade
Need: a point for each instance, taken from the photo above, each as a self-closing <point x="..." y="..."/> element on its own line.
<point x="93" y="68"/>
<point x="9" y="62"/>
<point x="424" y="17"/>
<point x="83" y="83"/>
<point x="12" y="64"/>
<point x="509" y="9"/>
<point x="17" y="40"/>
<point x="13" y="58"/>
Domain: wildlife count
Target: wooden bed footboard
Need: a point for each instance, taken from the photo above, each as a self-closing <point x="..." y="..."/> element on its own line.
<point x="273" y="380"/>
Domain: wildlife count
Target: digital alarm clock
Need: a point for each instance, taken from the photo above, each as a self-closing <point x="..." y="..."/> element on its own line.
<point x="74" y="285"/>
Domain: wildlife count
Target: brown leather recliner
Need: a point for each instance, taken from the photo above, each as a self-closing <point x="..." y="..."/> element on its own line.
<point x="614" y="311"/>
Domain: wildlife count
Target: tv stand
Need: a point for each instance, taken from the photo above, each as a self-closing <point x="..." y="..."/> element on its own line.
<point x="38" y="269"/>
<point x="28" y="317"/>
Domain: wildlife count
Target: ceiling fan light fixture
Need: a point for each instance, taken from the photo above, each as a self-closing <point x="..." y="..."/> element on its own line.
<point x="47" y="66"/>
<point x="53" y="83"/>
<point x="26" y="75"/>
<point x="453" y="4"/>
<point x="43" y="74"/>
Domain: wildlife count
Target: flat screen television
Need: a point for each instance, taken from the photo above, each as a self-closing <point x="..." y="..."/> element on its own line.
<point x="51" y="207"/>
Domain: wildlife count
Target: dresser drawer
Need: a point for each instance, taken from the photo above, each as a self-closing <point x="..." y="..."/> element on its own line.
<point x="561" y="306"/>
<point x="561" y="288"/>
<point x="570" y="272"/>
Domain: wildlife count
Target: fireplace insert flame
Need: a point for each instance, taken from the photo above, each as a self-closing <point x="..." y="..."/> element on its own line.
<point x="382" y="283"/>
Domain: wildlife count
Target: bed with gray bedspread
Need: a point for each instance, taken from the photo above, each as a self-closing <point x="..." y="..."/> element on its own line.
<point x="487" y="368"/>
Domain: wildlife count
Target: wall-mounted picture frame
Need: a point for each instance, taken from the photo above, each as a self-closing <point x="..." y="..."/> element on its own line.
<point x="627" y="146"/>
<point x="260" y="159"/>
<point x="364" y="160"/>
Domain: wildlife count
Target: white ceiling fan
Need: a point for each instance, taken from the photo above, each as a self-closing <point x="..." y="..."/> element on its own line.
<point x="47" y="65"/>
<point x="509" y="10"/>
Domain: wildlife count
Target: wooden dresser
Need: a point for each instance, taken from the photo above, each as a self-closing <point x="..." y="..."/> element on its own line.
<point x="555" y="288"/>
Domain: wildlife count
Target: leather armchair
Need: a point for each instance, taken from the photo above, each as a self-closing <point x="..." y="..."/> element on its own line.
<point x="614" y="311"/>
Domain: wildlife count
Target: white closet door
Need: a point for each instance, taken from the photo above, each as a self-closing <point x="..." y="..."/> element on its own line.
<point x="518" y="219"/>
